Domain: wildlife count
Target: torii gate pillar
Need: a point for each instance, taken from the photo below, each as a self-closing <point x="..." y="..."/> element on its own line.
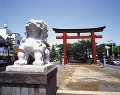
<point x="65" y="47"/>
<point x="93" y="48"/>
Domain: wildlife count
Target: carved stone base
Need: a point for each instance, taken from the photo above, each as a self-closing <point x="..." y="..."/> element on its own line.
<point x="29" y="68"/>
<point x="28" y="83"/>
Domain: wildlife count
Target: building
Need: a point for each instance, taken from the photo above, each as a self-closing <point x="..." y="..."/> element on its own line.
<point x="4" y="33"/>
<point x="17" y="38"/>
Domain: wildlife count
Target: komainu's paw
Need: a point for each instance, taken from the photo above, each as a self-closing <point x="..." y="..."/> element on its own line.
<point x="39" y="63"/>
<point x="20" y="62"/>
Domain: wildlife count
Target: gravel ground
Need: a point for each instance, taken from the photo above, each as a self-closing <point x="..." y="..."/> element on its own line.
<point x="88" y="78"/>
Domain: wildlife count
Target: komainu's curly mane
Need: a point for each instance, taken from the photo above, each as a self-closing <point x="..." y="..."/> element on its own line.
<point x="39" y="27"/>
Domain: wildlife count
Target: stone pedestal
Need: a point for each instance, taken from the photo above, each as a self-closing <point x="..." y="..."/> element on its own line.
<point x="28" y="83"/>
<point x="29" y="68"/>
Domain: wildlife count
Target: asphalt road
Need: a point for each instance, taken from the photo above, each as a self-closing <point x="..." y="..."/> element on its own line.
<point x="117" y="67"/>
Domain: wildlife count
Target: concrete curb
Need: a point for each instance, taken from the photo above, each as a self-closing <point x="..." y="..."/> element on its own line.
<point x="71" y="92"/>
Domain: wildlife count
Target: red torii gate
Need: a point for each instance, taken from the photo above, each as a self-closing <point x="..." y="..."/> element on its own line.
<point x="78" y="31"/>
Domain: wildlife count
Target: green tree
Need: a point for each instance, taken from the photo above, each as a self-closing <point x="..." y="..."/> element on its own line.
<point x="60" y="51"/>
<point x="9" y="47"/>
<point x="47" y="45"/>
<point x="99" y="50"/>
<point x="70" y="48"/>
<point x="116" y="51"/>
<point x="82" y="50"/>
<point x="53" y="53"/>
<point x="60" y="46"/>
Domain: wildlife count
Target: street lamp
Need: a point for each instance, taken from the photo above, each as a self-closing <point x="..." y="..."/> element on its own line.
<point x="112" y="48"/>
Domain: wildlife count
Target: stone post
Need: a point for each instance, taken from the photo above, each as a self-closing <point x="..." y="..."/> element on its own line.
<point x="62" y="59"/>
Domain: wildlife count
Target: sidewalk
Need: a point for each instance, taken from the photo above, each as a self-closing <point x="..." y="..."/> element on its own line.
<point x="88" y="78"/>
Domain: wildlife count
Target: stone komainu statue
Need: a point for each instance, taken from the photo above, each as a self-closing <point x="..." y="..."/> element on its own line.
<point x="34" y="44"/>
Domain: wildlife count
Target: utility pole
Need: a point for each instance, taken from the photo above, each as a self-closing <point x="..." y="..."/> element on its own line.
<point x="112" y="49"/>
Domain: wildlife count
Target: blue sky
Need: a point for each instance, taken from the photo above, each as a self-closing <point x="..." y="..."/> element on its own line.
<point x="64" y="14"/>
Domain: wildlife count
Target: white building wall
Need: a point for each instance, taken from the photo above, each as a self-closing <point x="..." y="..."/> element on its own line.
<point x="17" y="38"/>
<point x="4" y="33"/>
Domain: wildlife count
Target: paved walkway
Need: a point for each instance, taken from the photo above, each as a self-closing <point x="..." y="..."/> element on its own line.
<point x="88" y="78"/>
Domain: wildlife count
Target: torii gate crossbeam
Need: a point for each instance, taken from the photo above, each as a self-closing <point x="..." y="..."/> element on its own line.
<point x="78" y="31"/>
